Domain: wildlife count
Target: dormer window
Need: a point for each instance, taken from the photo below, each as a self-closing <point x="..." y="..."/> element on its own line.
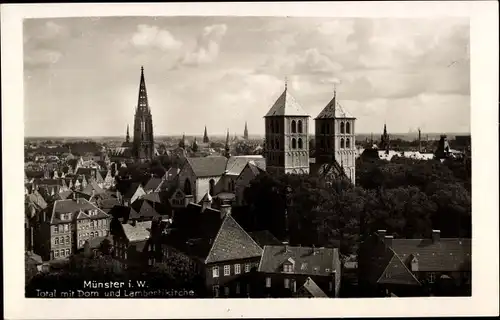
<point x="288" y="268"/>
<point x="414" y="264"/>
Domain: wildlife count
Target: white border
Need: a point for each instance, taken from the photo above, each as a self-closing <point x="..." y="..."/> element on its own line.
<point x="484" y="92"/>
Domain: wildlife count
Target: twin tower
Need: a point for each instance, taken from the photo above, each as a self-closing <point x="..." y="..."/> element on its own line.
<point x="287" y="138"/>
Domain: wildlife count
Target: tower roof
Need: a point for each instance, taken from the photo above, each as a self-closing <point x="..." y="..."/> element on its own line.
<point x="142" y="103"/>
<point x="286" y="105"/>
<point x="334" y="110"/>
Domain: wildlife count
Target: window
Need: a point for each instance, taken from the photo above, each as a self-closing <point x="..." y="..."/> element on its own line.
<point x="347" y="127"/>
<point x="272" y="126"/>
<point x="330" y="286"/>
<point x="347" y="143"/>
<point x="299" y="126"/>
<point x="227" y="270"/>
<point x="215" y="290"/>
<point x="294" y="143"/>
<point x="56" y="253"/>
<point x="67" y="239"/>
<point x="247" y="267"/>
<point x="277" y="143"/>
<point x="287" y="268"/>
<point x="237" y="288"/>
<point x="56" y="229"/>
<point x="92" y="234"/>
<point x="226" y="291"/>
<point x="294" y="286"/>
<point x="268" y="282"/>
<point x="287" y="283"/>
<point x="342" y="127"/>
<point x="56" y="240"/>
<point x="62" y="253"/>
<point x="66" y="227"/>
<point x="61" y="240"/>
<point x="294" y="127"/>
<point x="327" y="128"/>
<point x="300" y="143"/>
<point x="342" y="143"/>
<point x="277" y="126"/>
<point x="211" y="186"/>
<point x="431" y="277"/>
<point x="104" y="222"/>
<point x="215" y="271"/>
<point x="237" y="268"/>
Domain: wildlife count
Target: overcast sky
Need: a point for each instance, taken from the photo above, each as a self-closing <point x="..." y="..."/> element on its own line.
<point x="82" y="75"/>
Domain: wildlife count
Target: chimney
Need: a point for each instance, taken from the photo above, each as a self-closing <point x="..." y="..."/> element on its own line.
<point x="225" y="210"/>
<point x="388" y="240"/>
<point x="188" y="199"/>
<point x="436" y="234"/>
<point x="381" y="233"/>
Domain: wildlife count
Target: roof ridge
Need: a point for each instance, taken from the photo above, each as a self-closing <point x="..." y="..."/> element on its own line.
<point x="215" y="240"/>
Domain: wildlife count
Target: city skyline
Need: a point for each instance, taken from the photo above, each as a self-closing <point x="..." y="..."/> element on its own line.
<point x="224" y="71"/>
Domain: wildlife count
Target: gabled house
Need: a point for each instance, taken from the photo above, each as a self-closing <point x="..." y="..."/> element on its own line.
<point x="64" y="226"/>
<point x="283" y="269"/>
<point x="414" y="267"/>
<point x="310" y="290"/>
<point x="215" y="247"/>
<point x="130" y="243"/>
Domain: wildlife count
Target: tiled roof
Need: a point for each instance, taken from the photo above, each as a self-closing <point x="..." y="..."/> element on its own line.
<point x="153" y="197"/>
<point x="138" y="232"/>
<point x="264" y="238"/>
<point x="397" y="272"/>
<point x="311" y="287"/>
<point x="74" y="206"/>
<point x="306" y="262"/>
<point x="108" y="204"/>
<point x="152" y="184"/>
<point x="334" y="110"/>
<point x="143" y="209"/>
<point x="236" y="164"/>
<point x="447" y="254"/>
<point x="93" y="186"/>
<point x="231" y="243"/>
<point x="64" y="195"/>
<point x="286" y="105"/>
<point x="257" y="167"/>
<point x="208" y="166"/>
<point x="37" y="199"/>
<point x="34" y="174"/>
<point x="131" y="190"/>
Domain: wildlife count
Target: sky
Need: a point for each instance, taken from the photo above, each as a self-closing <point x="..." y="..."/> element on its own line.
<point x="81" y="75"/>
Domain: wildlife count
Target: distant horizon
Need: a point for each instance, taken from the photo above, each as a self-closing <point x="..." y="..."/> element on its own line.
<point x="223" y="135"/>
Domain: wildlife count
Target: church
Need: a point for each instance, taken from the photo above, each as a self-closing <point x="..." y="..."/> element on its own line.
<point x="287" y="139"/>
<point x="142" y="147"/>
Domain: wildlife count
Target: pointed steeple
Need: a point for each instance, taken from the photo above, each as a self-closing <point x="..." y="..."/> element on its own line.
<point x="245" y="132"/>
<point x="127" y="139"/>
<point x="142" y="103"/>
<point x="182" y="143"/>
<point x="227" y="149"/>
<point x="205" y="136"/>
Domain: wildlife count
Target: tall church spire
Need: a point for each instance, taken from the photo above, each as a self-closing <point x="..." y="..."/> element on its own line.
<point x="127" y="138"/>
<point x="143" y="145"/>
<point x="142" y="103"/>
<point x="205" y="136"/>
<point x="227" y="149"/>
<point x="245" y="132"/>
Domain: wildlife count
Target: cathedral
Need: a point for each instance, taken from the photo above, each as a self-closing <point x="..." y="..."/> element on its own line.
<point x="287" y="139"/>
<point x="142" y="147"/>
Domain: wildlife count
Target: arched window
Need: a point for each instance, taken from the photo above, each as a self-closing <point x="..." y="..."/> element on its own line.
<point x="277" y="126"/>
<point x="300" y="143"/>
<point x="321" y="143"/>
<point x="294" y="127"/>
<point x="348" y="127"/>
<point x="277" y="143"/>
<point x="294" y="143"/>
<point x="56" y="240"/>
<point x="327" y="128"/>
<point x="347" y="142"/>
<point x="342" y="144"/>
<point x="299" y="126"/>
<point x="272" y="144"/>
<point x="61" y="240"/>
<point x="187" y="187"/>
<point x="211" y="186"/>
<point x="67" y="239"/>
<point x="271" y="125"/>
<point x="323" y="128"/>
<point x="342" y="127"/>
<point x="327" y="143"/>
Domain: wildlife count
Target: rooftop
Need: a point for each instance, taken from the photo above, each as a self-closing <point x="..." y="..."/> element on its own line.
<point x="286" y="105"/>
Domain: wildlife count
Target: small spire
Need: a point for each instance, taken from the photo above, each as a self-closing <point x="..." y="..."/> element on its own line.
<point x="142" y="69"/>
<point x="286" y="83"/>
